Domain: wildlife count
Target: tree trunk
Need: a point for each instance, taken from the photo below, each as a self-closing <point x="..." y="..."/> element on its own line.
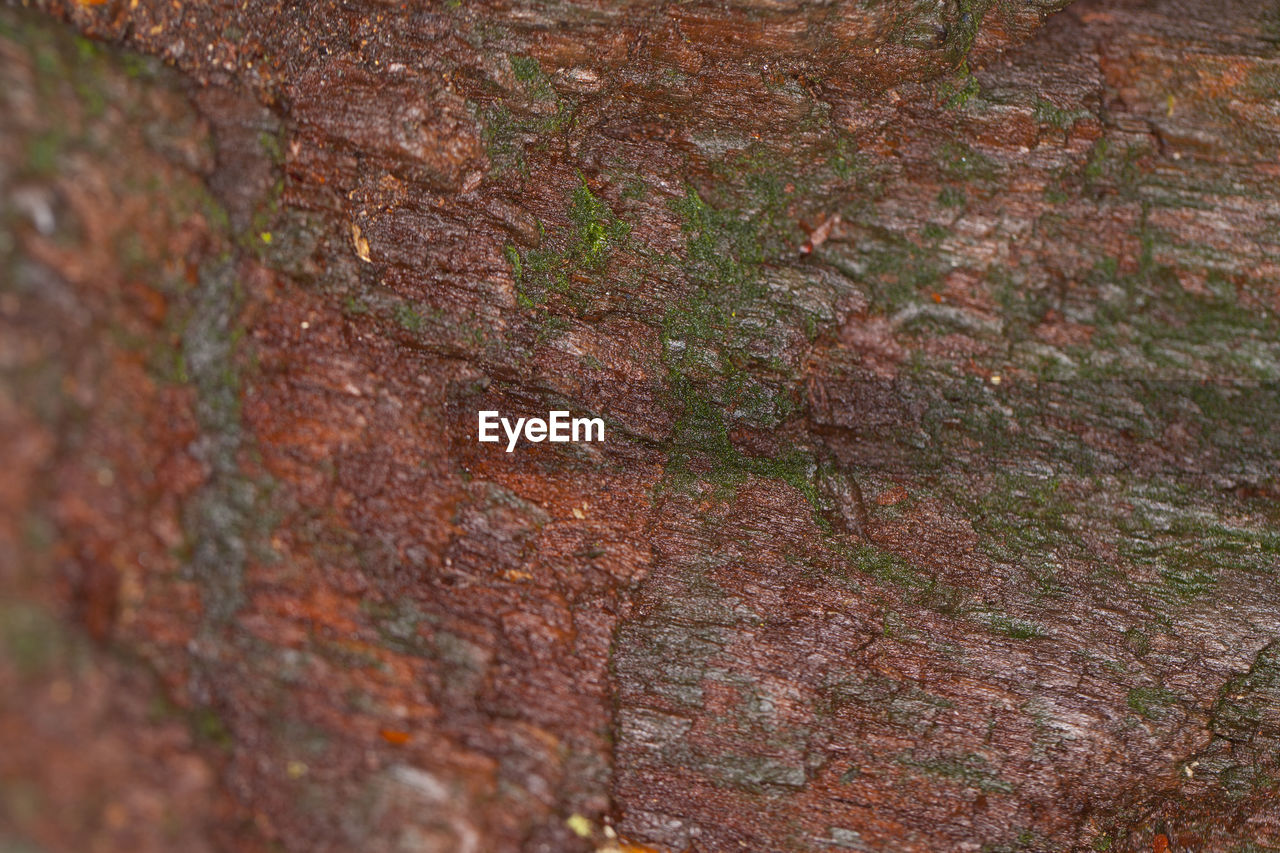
<point x="936" y="350"/>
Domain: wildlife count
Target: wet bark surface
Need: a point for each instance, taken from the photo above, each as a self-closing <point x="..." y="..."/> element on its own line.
<point x="937" y="349"/>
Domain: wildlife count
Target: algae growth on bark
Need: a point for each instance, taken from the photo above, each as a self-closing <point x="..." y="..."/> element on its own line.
<point x="937" y="349"/>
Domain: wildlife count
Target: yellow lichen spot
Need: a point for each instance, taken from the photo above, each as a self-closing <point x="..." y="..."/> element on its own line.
<point x="1170" y="103"/>
<point x="361" y="244"/>
<point x="580" y="825"/>
<point x="265" y="237"/>
<point x="295" y="769"/>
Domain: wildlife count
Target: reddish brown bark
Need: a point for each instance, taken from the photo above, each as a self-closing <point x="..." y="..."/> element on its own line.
<point x="937" y="349"/>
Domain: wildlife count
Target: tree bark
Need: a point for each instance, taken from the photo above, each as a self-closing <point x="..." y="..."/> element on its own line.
<point x="936" y="346"/>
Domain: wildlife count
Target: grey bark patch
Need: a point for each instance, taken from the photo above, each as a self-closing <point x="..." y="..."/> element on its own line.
<point x="219" y="519"/>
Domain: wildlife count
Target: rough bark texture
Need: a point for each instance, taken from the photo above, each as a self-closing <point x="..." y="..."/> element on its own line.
<point x="937" y="345"/>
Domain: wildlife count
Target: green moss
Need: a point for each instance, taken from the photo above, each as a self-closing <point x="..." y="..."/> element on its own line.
<point x="710" y="337"/>
<point x="700" y="449"/>
<point x="1048" y="113"/>
<point x="32" y="639"/>
<point x="700" y="443"/>
<point x="1138" y="642"/>
<point x="597" y="230"/>
<point x="957" y="91"/>
<point x="508" y="135"/>
<point x="567" y="270"/>
<point x="969" y="770"/>
<point x="934" y="233"/>
<point x="1151" y="703"/>
<point x="1177" y="333"/>
<point x="209" y="728"/>
<point x="723" y="248"/>
<point x="1110" y="167"/>
<point x="1188" y="582"/>
<point x="847" y="162"/>
<point x="258" y="236"/>
<point x="952" y="197"/>
<point x="1023" y="517"/>
<point x="503" y="134"/>
<point x="1022" y="841"/>
<point x="1247" y="703"/>
<point x="1055" y="196"/>
<point x="552" y="328"/>
<point x="961" y="162"/>
<point x="43" y="153"/>
<point x="962" y="23"/>
<point x="530" y="117"/>
<point x="1017" y="629"/>
<point x="1270" y="25"/>
<point x="1189" y="550"/>
<point x="408" y="317"/>
<point x="897" y="271"/>
<point x="272" y="145"/>
<point x="528" y="71"/>
<point x="919" y="586"/>
<point x="886" y="566"/>
<point x="728" y="343"/>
